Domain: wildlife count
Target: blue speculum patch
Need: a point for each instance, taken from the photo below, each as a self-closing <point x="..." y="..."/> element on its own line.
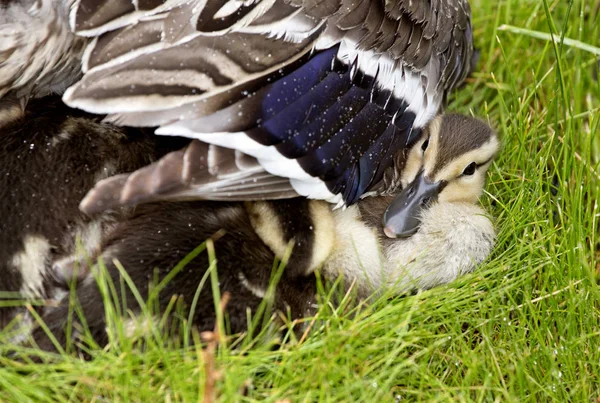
<point x="342" y="129"/>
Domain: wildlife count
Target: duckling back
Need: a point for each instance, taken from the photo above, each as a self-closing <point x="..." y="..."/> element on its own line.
<point x="49" y="157"/>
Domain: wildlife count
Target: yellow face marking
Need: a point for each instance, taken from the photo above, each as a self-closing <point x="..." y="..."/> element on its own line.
<point x="459" y="187"/>
<point x="432" y="151"/>
<point x="415" y="160"/>
<point x="455" y="168"/>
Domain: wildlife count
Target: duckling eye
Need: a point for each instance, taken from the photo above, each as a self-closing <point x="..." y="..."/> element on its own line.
<point x="470" y="169"/>
<point x="425" y="145"/>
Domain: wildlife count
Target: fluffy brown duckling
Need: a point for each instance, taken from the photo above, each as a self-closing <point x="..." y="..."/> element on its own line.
<point x="439" y="232"/>
<point x="50" y="157"/>
<point x="452" y="234"/>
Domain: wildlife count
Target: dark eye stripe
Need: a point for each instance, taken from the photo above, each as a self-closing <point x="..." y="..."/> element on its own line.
<point x="475" y="166"/>
<point x="485" y="162"/>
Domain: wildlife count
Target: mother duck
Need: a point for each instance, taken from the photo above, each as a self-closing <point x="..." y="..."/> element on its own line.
<point x="320" y="98"/>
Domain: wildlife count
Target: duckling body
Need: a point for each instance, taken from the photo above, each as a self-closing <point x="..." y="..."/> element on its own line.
<point x="151" y="241"/>
<point x="50" y="155"/>
<point x="42" y="181"/>
<point x="71" y="150"/>
<point x="453" y="240"/>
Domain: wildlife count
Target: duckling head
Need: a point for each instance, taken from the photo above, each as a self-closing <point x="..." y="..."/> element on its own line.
<point x="448" y="164"/>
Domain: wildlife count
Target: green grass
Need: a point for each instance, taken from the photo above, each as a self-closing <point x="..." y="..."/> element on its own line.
<point x="524" y="327"/>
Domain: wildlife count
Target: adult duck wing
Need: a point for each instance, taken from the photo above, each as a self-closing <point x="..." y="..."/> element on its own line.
<point x="321" y="92"/>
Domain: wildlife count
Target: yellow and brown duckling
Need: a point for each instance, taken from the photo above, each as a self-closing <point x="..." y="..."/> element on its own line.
<point x="438" y="232"/>
<point x="43" y="183"/>
<point x="50" y="155"/>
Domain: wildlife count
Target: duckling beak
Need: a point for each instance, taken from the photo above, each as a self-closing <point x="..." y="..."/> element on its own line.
<point x="402" y="217"/>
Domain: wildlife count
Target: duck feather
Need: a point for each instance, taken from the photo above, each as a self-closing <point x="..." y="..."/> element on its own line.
<point x="200" y="171"/>
<point x="303" y="76"/>
<point x="38" y="53"/>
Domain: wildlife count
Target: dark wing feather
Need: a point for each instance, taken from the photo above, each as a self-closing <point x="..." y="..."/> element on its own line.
<point x="187" y="72"/>
<point x="321" y="93"/>
<point x="95" y="17"/>
<point x="200" y="171"/>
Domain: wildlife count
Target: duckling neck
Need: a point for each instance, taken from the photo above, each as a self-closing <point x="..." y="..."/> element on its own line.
<point x="357" y="253"/>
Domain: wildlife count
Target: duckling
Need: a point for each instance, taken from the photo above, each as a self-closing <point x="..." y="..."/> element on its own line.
<point x="50" y="155"/>
<point x="152" y="240"/>
<point x="327" y="95"/>
<point x="437" y="231"/>
<point x="452" y="236"/>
